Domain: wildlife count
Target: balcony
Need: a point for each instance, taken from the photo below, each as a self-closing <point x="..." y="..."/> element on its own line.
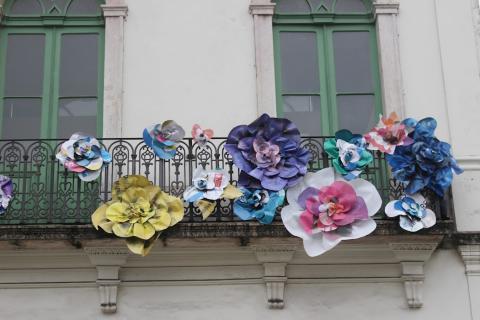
<point x="51" y="203"/>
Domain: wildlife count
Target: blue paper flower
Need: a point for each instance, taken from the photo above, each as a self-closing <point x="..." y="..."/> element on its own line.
<point x="163" y="138"/>
<point x="269" y="154"/>
<point x="413" y="212"/>
<point x="259" y="204"/>
<point x="427" y="163"/>
<point x="350" y="157"/>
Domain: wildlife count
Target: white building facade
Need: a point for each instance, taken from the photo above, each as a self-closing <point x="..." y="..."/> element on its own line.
<point x="117" y="66"/>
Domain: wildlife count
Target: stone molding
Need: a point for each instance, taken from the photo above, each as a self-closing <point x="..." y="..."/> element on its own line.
<point x="115" y="13"/>
<point x="386" y="12"/>
<point x="471" y="163"/>
<point x="262" y="12"/>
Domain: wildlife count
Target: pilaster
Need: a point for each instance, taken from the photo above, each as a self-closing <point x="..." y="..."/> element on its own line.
<point x="262" y="12"/>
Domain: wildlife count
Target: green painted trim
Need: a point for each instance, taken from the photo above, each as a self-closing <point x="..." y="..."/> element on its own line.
<point x="46" y="11"/>
<point x="100" y="81"/>
<point x="278" y="75"/>
<point x="51" y="72"/>
<point x="3" y="55"/>
<point x="327" y="91"/>
<point x="56" y="76"/>
<point x="321" y="19"/>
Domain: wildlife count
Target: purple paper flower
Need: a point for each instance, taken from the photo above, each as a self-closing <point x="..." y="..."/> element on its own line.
<point x="6" y="193"/>
<point x="268" y="153"/>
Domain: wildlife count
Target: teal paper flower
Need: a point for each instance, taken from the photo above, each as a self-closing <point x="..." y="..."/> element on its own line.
<point x="350" y="157"/>
<point x="258" y="204"/>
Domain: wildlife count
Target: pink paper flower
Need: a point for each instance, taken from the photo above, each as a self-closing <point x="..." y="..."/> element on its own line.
<point x="324" y="209"/>
<point x="331" y="207"/>
<point x="201" y="136"/>
<point x="388" y="134"/>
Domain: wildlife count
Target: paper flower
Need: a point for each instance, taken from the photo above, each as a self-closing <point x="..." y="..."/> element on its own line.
<point x="139" y="212"/>
<point x="413" y="212"/>
<point x="6" y="192"/>
<point x="426" y="163"/>
<point x="269" y="154"/>
<point x="84" y="155"/>
<point x="388" y="134"/>
<point x="259" y="204"/>
<point x="163" y="138"/>
<point x="201" y="136"/>
<point x="209" y="186"/>
<point x="325" y="209"/>
<point x="349" y="155"/>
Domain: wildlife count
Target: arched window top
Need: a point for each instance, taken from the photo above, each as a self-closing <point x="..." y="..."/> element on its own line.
<point x="53" y="8"/>
<point x="337" y="7"/>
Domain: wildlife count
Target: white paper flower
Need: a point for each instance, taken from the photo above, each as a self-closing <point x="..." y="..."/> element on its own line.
<point x="206" y="185"/>
<point x="413" y="212"/>
<point x="325" y="209"/>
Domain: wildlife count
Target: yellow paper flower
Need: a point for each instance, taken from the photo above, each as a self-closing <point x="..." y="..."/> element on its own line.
<point x="138" y="211"/>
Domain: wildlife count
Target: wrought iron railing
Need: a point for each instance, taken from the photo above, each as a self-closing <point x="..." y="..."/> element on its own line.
<point x="45" y="193"/>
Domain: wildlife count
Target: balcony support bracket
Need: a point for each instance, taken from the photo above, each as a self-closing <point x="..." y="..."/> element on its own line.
<point x="275" y="259"/>
<point x="470" y="254"/>
<point x="108" y="262"/>
<point x="412" y="258"/>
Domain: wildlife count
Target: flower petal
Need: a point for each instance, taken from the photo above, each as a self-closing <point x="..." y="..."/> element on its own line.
<point x="369" y="193"/>
<point x="291" y="220"/>
<point x="116" y="212"/>
<point x="391" y="211"/>
<point x="143" y="231"/>
<point x="123" y="230"/>
<point x="99" y="216"/>
<point x="430" y="219"/>
<point x="161" y="220"/>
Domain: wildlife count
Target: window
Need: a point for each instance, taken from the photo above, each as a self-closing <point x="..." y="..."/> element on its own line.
<point x="51" y="68"/>
<point x="327" y="74"/>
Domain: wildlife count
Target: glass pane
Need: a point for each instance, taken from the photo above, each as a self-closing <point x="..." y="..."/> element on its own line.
<point x="77" y="115"/>
<point x="297" y="6"/>
<point x="356" y="113"/>
<point x="353" y="69"/>
<point x="24" y="69"/>
<point x="26" y="7"/>
<point x="350" y="6"/>
<point x="298" y="55"/>
<point x="83" y="7"/>
<point x="79" y="65"/>
<point x="304" y="111"/>
<point x="21" y="118"/>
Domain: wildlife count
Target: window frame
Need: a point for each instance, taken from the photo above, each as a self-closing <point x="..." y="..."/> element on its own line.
<point x="324" y="25"/>
<point x="53" y="27"/>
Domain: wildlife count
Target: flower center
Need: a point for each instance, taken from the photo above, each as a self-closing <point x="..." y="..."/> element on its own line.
<point x="391" y="138"/>
<point x="266" y="153"/>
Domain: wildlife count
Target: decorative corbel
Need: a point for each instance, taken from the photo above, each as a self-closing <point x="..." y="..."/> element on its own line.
<point x="412" y="257"/>
<point x="275" y="259"/>
<point x="108" y="262"/>
<point x="471" y="258"/>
